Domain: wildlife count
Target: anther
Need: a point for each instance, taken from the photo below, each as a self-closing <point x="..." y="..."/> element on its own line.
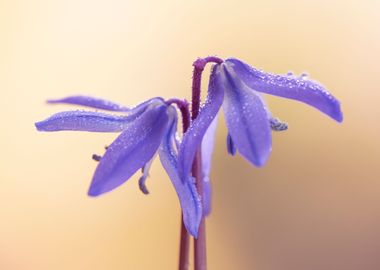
<point x="142" y="185"/>
<point x="96" y="157"/>
<point x="277" y="125"/>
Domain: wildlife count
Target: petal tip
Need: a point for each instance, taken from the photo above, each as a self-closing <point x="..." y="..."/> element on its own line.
<point x="193" y="231"/>
<point x="94" y="191"/>
<point x="52" y="101"/>
<point x="338" y="116"/>
<point x="260" y="161"/>
<point x="40" y="126"/>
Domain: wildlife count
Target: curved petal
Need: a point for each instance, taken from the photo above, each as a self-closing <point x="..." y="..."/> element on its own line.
<point x="94" y="121"/>
<point x="247" y="120"/>
<point x="288" y="86"/>
<point x="92" y="102"/>
<point x="207" y="150"/>
<point x="193" y="137"/>
<point x="185" y="188"/>
<point x="84" y="121"/>
<point x="135" y="146"/>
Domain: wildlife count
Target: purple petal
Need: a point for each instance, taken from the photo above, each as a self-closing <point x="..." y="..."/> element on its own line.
<point x="135" y="146"/>
<point x="247" y="120"/>
<point x="207" y="150"/>
<point x="288" y="86"/>
<point x="193" y="137"/>
<point x="92" y="102"/>
<point x="185" y="188"/>
<point x="85" y="121"/>
<point x="93" y="121"/>
<point x="207" y="194"/>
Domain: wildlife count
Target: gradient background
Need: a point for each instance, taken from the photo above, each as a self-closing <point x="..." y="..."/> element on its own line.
<point x="314" y="206"/>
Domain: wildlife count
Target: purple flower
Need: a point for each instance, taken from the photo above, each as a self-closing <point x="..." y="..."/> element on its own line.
<point x="145" y="130"/>
<point x="237" y="87"/>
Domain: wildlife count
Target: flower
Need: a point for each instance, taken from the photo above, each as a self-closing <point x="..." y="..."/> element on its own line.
<point x="145" y="130"/>
<point x="237" y="87"/>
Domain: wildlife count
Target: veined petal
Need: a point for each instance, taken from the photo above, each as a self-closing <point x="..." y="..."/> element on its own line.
<point x="193" y="137"/>
<point x="247" y="119"/>
<point x="135" y="146"/>
<point x="84" y="121"/>
<point x="185" y="188"/>
<point x="289" y="86"/>
<point x="93" y="121"/>
<point x="92" y="102"/>
<point x="207" y="150"/>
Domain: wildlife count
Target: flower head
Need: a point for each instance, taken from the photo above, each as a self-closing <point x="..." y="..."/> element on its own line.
<point x="238" y="87"/>
<point x="146" y="129"/>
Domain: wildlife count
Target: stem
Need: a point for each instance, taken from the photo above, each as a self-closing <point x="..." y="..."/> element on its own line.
<point x="200" y="243"/>
<point x="200" y="251"/>
<point x="184" y="247"/>
<point x="200" y="254"/>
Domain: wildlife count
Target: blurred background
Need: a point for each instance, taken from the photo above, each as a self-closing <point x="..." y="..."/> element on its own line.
<point x="314" y="206"/>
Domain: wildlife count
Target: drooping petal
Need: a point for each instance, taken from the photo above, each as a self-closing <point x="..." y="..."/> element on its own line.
<point x="185" y="188"/>
<point x="288" y="86"/>
<point x="193" y="137"/>
<point x="93" y="121"/>
<point x="207" y="150"/>
<point x="135" y="146"/>
<point x="231" y="149"/>
<point x="247" y="119"/>
<point x="92" y="102"/>
<point x="85" y="121"/>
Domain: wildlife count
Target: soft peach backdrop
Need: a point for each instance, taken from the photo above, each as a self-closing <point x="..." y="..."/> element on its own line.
<point x="315" y="206"/>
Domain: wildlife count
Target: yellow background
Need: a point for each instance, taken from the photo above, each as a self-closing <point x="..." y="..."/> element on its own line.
<point x="314" y="206"/>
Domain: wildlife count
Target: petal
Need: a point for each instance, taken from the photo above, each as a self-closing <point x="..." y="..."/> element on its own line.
<point x="92" y="102"/>
<point x="207" y="194"/>
<point x="289" y="86"/>
<point x="84" y="121"/>
<point x="207" y="150"/>
<point x="231" y="149"/>
<point x="193" y="137"/>
<point x="247" y="120"/>
<point x="135" y="146"/>
<point x="93" y="121"/>
<point x="185" y="188"/>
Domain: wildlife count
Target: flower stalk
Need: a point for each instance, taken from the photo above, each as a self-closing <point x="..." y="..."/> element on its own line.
<point x="200" y="252"/>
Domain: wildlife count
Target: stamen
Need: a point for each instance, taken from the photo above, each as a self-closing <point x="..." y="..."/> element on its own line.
<point x="96" y="157"/>
<point x="142" y="180"/>
<point x="142" y="185"/>
<point x="231" y="148"/>
<point x="277" y="125"/>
